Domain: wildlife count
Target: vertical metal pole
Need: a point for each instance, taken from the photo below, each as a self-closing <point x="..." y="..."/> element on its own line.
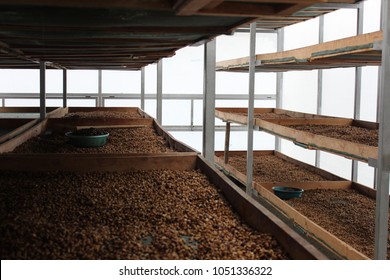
<point x="251" y="104"/>
<point x="227" y="143"/>
<point x="42" y="85"/>
<point x="192" y="114"/>
<point x="100" y="89"/>
<point x="208" y="137"/>
<point x="159" y="91"/>
<point x="382" y="194"/>
<point x="279" y="84"/>
<point x="64" y="88"/>
<point x="319" y="84"/>
<point x="358" y="88"/>
<point x="143" y="88"/>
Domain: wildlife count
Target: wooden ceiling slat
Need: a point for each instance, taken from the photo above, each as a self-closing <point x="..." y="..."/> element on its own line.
<point x="159" y="5"/>
<point x="215" y="30"/>
<point x="189" y="7"/>
<point x="240" y="9"/>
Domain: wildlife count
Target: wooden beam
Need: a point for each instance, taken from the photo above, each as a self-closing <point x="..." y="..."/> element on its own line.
<point x="163" y="5"/>
<point x="97" y="162"/>
<point x="240" y="9"/>
<point x="189" y="7"/>
<point x="55" y="31"/>
<point x="314" y="53"/>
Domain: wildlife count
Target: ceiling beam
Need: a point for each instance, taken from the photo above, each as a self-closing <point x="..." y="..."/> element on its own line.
<point x="161" y="5"/>
<point x="114" y="30"/>
<point x="189" y="7"/>
<point x="241" y="9"/>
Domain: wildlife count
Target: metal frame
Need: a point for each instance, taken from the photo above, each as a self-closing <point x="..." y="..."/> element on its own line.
<point x="209" y="95"/>
<point x="100" y="89"/>
<point x="383" y="163"/>
<point x="251" y="105"/>
<point x="42" y="86"/>
<point x="358" y="88"/>
<point x="319" y="83"/>
<point x="279" y="84"/>
<point x="159" y="91"/>
<point x="143" y="88"/>
<point x="64" y="88"/>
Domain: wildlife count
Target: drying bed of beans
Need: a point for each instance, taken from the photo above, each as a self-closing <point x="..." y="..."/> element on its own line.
<point x="347" y="214"/>
<point x="104" y="115"/>
<point x="272" y="115"/>
<point x="133" y="215"/>
<point x="354" y="134"/>
<point x="120" y="140"/>
<point x="270" y="168"/>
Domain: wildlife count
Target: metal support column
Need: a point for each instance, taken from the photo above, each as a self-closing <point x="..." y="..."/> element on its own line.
<point x="279" y="84"/>
<point x="383" y="164"/>
<point x="143" y="88"/>
<point x="64" y="88"/>
<point x="319" y="84"/>
<point x="42" y="85"/>
<point x="208" y="137"/>
<point x="358" y="87"/>
<point x="227" y="143"/>
<point x="251" y="104"/>
<point x="159" y="91"/>
<point x="100" y="89"/>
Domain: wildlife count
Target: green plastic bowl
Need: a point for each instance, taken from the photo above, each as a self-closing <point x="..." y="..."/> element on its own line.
<point x="287" y="192"/>
<point x="85" y="141"/>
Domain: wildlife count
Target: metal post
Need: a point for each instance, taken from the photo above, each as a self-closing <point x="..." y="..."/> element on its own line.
<point x="227" y="143"/>
<point x="279" y="84"/>
<point x="358" y="87"/>
<point x="100" y="89"/>
<point x="42" y="85"/>
<point x="159" y="91"/>
<point x="143" y="88"/>
<point x="251" y="104"/>
<point x="208" y="137"/>
<point x="192" y="114"/>
<point x="64" y="88"/>
<point x="382" y="194"/>
<point x="319" y="84"/>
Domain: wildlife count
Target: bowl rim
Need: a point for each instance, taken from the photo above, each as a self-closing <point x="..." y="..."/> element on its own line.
<point x="284" y="189"/>
<point x="71" y="135"/>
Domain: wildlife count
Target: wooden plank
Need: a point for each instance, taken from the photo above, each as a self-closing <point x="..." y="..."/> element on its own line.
<point x="259" y="217"/>
<point x="227" y="116"/>
<point x="109" y="126"/>
<point x="241" y="9"/>
<point x="173" y="142"/>
<point x="162" y="5"/>
<point x="279" y="127"/>
<point x="313" y="141"/>
<point x="11" y="144"/>
<point x="309" y="121"/>
<point x="18" y="130"/>
<point x="96" y="162"/>
<point x="189" y="7"/>
<point x="74" y="122"/>
<point x="57" y="113"/>
<point x="362" y="43"/>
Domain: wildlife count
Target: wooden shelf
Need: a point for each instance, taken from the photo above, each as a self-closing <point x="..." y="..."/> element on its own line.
<point x="330" y="182"/>
<point x="285" y="128"/>
<point x="361" y="50"/>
